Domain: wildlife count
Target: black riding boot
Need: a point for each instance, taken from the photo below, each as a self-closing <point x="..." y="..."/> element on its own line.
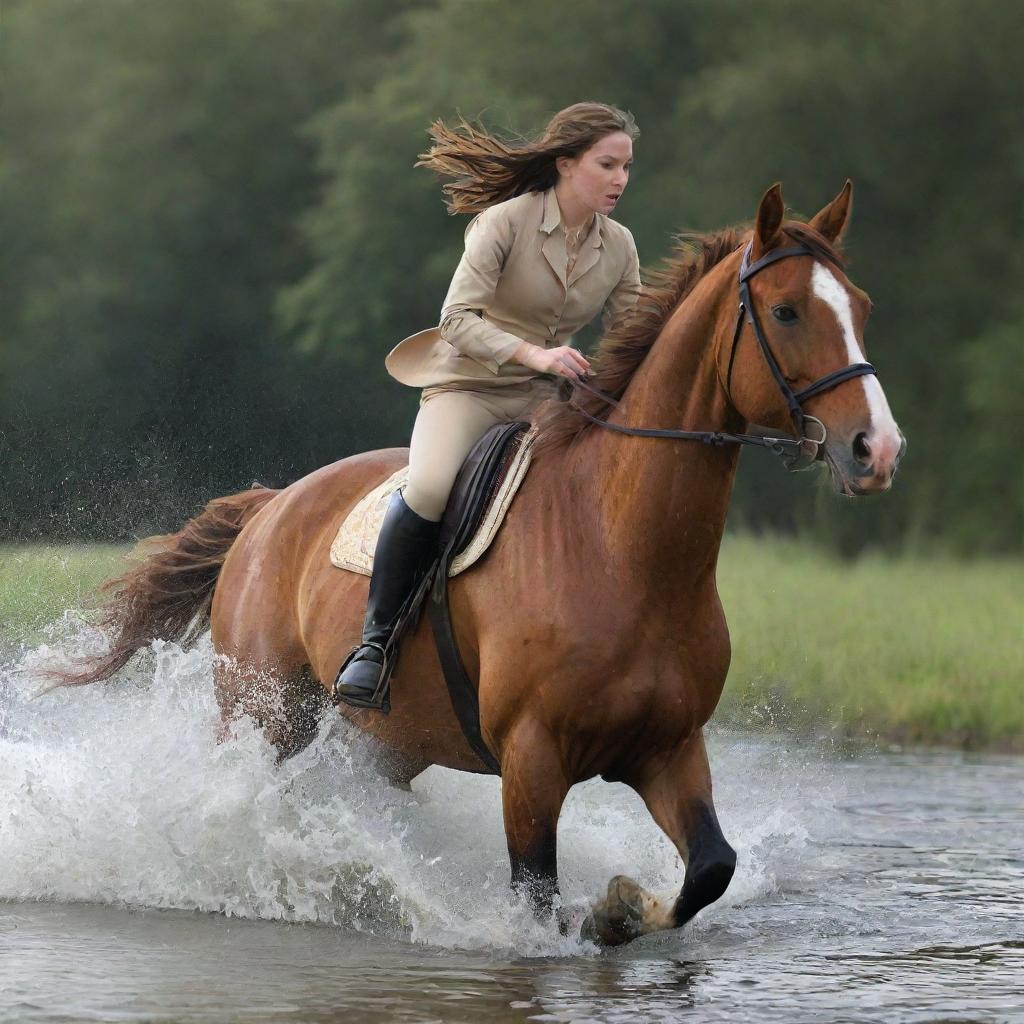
<point x="405" y="549"/>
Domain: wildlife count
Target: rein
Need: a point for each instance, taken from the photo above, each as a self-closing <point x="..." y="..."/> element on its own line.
<point x="791" y="450"/>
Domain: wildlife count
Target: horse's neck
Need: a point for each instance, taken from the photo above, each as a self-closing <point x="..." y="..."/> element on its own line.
<point x="662" y="503"/>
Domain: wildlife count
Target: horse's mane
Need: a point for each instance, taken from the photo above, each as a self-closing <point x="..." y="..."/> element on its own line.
<point x="622" y="349"/>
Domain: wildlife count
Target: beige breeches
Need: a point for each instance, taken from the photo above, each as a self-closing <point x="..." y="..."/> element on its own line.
<point x="449" y="423"/>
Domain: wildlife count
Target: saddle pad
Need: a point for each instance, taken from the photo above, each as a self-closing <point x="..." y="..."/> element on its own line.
<point x="356" y="539"/>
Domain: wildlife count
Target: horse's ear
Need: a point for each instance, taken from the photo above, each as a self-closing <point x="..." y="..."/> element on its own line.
<point x="768" y="227"/>
<point x="831" y="221"/>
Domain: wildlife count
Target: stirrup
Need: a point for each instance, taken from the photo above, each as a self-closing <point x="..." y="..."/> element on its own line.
<point x="372" y="699"/>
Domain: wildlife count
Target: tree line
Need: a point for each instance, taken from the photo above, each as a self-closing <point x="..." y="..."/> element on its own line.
<point x="213" y="231"/>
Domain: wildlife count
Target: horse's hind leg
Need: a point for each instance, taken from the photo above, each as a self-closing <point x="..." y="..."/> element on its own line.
<point x="677" y="791"/>
<point x="288" y="703"/>
<point x="285" y="700"/>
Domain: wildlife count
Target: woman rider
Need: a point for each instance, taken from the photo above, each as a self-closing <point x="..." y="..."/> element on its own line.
<point x="542" y="259"/>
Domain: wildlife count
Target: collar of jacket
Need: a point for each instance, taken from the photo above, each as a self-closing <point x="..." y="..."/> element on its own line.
<point x="553" y="217"/>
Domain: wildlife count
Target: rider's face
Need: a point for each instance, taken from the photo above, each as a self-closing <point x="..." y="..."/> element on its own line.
<point x="598" y="176"/>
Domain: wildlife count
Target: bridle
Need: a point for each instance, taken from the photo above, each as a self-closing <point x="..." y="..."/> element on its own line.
<point x="797" y="453"/>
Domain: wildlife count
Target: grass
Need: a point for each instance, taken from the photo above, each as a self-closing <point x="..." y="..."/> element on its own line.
<point x="909" y="650"/>
<point x="39" y="581"/>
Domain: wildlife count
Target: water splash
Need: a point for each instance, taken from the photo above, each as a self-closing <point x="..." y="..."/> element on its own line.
<point x="120" y="793"/>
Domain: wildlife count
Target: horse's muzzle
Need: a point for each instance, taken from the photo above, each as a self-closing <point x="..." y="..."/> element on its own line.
<point x="866" y="464"/>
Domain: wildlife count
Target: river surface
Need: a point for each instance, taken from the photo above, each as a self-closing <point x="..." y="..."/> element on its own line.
<point x="148" y="873"/>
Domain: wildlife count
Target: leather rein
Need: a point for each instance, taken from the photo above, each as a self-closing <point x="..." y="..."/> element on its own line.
<point x="790" y="449"/>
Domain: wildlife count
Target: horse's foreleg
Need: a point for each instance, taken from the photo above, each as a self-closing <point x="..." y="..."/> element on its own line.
<point x="533" y="789"/>
<point x="677" y="791"/>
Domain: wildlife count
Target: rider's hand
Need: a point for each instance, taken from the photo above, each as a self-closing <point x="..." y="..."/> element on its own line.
<point x="563" y="361"/>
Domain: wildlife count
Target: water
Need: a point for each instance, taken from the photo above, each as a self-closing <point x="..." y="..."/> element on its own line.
<point x="149" y="873"/>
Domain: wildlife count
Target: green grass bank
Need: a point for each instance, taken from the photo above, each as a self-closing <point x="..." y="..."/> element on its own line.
<point x="39" y="581"/>
<point x="907" y="650"/>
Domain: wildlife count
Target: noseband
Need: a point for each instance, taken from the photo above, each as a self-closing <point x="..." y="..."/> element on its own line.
<point x="797" y="453"/>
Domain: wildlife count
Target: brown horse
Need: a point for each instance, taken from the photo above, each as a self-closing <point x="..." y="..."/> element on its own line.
<point x="593" y="627"/>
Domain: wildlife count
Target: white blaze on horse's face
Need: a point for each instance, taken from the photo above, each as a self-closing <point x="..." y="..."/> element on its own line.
<point x="881" y="445"/>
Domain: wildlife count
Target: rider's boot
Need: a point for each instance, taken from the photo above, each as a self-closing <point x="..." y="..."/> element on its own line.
<point x="405" y="549"/>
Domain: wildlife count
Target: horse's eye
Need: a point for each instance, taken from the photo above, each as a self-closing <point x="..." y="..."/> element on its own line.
<point x="784" y="314"/>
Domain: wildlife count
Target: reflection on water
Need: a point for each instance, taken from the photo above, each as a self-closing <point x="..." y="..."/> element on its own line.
<point x="874" y="887"/>
<point x="72" y="962"/>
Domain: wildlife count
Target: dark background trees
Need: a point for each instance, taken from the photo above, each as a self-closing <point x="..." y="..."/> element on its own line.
<point x="213" y="233"/>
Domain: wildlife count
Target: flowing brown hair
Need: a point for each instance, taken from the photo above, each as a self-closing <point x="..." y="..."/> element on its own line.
<point x="487" y="169"/>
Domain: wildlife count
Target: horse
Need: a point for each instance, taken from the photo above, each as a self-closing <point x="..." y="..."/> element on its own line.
<point x="593" y="627"/>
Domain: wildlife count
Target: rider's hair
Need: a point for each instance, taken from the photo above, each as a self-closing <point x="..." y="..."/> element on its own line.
<point x="486" y="169"/>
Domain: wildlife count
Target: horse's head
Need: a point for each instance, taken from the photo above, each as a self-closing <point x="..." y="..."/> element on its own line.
<point x="811" y="318"/>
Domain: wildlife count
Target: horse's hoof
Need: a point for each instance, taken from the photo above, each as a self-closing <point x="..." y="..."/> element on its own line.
<point x="620" y="918"/>
<point x="571" y="920"/>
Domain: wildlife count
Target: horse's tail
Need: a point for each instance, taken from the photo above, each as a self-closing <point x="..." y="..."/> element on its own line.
<point x="168" y="594"/>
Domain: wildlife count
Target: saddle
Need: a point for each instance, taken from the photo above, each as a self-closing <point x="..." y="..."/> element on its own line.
<point x="356" y="539"/>
<point x="483" y="490"/>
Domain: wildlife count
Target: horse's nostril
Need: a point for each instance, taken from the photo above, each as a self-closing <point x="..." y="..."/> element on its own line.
<point x="861" y="448"/>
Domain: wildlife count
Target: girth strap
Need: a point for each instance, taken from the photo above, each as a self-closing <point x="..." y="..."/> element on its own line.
<point x="480" y="465"/>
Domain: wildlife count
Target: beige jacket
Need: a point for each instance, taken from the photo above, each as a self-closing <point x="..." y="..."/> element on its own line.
<point x="510" y="286"/>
